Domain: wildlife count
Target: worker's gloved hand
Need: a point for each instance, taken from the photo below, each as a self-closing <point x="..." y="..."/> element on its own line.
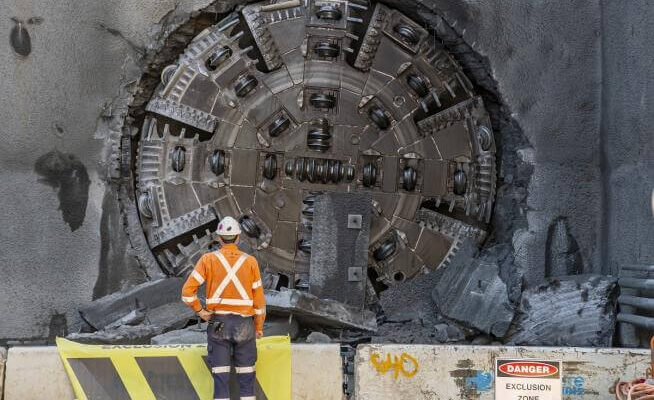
<point x="205" y="315"/>
<point x="259" y="334"/>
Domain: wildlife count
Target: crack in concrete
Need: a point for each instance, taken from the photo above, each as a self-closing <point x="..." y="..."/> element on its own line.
<point x="115" y="32"/>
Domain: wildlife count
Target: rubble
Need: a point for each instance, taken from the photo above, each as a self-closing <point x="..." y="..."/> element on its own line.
<point x="571" y="311"/>
<point x="191" y="335"/>
<point x="471" y="291"/>
<point x="309" y="309"/>
<point x="318" y="337"/>
<point x="281" y="326"/>
<point x="161" y="319"/>
<point x="274" y="326"/>
<point x="481" y="340"/>
<point x="126" y="334"/>
<point x="445" y="333"/>
<point x="108" y="310"/>
<point x="410" y="300"/>
<point x="135" y="317"/>
<point x="137" y="314"/>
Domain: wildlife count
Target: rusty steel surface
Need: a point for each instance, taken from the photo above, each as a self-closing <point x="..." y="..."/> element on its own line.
<point x="274" y="105"/>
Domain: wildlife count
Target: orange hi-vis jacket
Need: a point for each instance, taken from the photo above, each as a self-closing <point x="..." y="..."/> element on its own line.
<point x="233" y="284"/>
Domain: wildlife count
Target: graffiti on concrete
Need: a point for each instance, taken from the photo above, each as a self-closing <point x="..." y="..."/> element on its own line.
<point x="574" y="385"/>
<point x="404" y="364"/>
<point x="481" y="382"/>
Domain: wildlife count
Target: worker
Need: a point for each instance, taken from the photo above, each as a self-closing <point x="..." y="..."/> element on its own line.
<point x="235" y="309"/>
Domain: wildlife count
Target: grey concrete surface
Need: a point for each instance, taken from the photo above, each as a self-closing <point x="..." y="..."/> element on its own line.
<point x="627" y="136"/>
<point x="571" y="311"/>
<point x="546" y="60"/>
<point x="468" y="372"/>
<point x="575" y="76"/>
<point x="51" y="102"/>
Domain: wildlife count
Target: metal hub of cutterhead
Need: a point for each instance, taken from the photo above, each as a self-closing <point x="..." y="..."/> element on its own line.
<point x="279" y="103"/>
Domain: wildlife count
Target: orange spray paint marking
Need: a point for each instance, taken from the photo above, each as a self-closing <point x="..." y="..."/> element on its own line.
<point x="404" y="364"/>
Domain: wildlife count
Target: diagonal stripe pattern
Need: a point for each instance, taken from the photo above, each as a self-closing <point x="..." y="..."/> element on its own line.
<point x="168" y="372"/>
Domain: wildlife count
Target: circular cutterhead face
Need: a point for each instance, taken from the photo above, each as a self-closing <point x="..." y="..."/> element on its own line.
<point x="277" y="104"/>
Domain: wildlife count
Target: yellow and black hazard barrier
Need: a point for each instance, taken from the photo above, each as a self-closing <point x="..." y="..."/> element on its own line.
<point x="179" y="372"/>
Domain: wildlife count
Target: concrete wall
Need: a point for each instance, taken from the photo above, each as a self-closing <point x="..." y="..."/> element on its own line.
<point x="545" y="59"/>
<point x="627" y="137"/>
<point x="466" y="372"/>
<point x="35" y="373"/>
<point x="58" y="234"/>
<point x="576" y="77"/>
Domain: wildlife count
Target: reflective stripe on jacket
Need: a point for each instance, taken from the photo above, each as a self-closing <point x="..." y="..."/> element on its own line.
<point x="233" y="284"/>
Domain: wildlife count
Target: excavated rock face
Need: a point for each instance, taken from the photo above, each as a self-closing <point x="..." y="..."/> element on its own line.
<point x="278" y="103"/>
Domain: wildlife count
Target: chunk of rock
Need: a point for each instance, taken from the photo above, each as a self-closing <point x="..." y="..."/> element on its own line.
<point x="147" y="296"/>
<point x="445" y="333"/>
<point x="143" y="319"/>
<point x="318" y="337"/>
<point x="311" y="310"/>
<point x="572" y="311"/>
<point x="471" y="291"/>
<point x="281" y="326"/>
<point x="191" y="335"/>
<point x="126" y="334"/>
<point x="481" y="340"/>
<point x="440" y="333"/>
<point x="410" y="301"/>
<point x="134" y="317"/>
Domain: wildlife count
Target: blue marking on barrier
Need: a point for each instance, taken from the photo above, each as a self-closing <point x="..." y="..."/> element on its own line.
<point x="482" y="381"/>
<point x="574" y="385"/>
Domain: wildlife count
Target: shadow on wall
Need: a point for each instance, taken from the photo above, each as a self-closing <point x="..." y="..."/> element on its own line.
<point x="68" y="176"/>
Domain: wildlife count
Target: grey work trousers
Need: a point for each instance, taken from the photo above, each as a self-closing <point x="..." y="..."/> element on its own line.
<point x="237" y="337"/>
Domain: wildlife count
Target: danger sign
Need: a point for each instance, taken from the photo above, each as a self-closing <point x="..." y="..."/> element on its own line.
<point x="528" y="380"/>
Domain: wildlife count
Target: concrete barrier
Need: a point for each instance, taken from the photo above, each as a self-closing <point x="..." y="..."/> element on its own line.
<point x="3" y="359"/>
<point x="37" y="373"/>
<point x="467" y="372"/>
<point x="317" y="372"/>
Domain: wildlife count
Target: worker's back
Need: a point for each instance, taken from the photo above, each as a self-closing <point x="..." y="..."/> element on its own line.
<point x="231" y="277"/>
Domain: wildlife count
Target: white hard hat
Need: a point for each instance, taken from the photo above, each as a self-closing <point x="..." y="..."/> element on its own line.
<point x="228" y="226"/>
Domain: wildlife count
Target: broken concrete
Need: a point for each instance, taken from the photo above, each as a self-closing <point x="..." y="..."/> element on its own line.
<point x="471" y="291"/>
<point x="191" y="335"/>
<point x="446" y="333"/>
<point x="146" y="297"/>
<point x="281" y="326"/>
<point x="311" y="310"/>
<point x="157" y="321"/>
<point x="136" y="315"/>
<point x="575" y="311"/>
<point x="318" y="337"/>
<point x="273" y="326"/>
<point x="410" y="300"/>
<point x="139" y="334"/>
